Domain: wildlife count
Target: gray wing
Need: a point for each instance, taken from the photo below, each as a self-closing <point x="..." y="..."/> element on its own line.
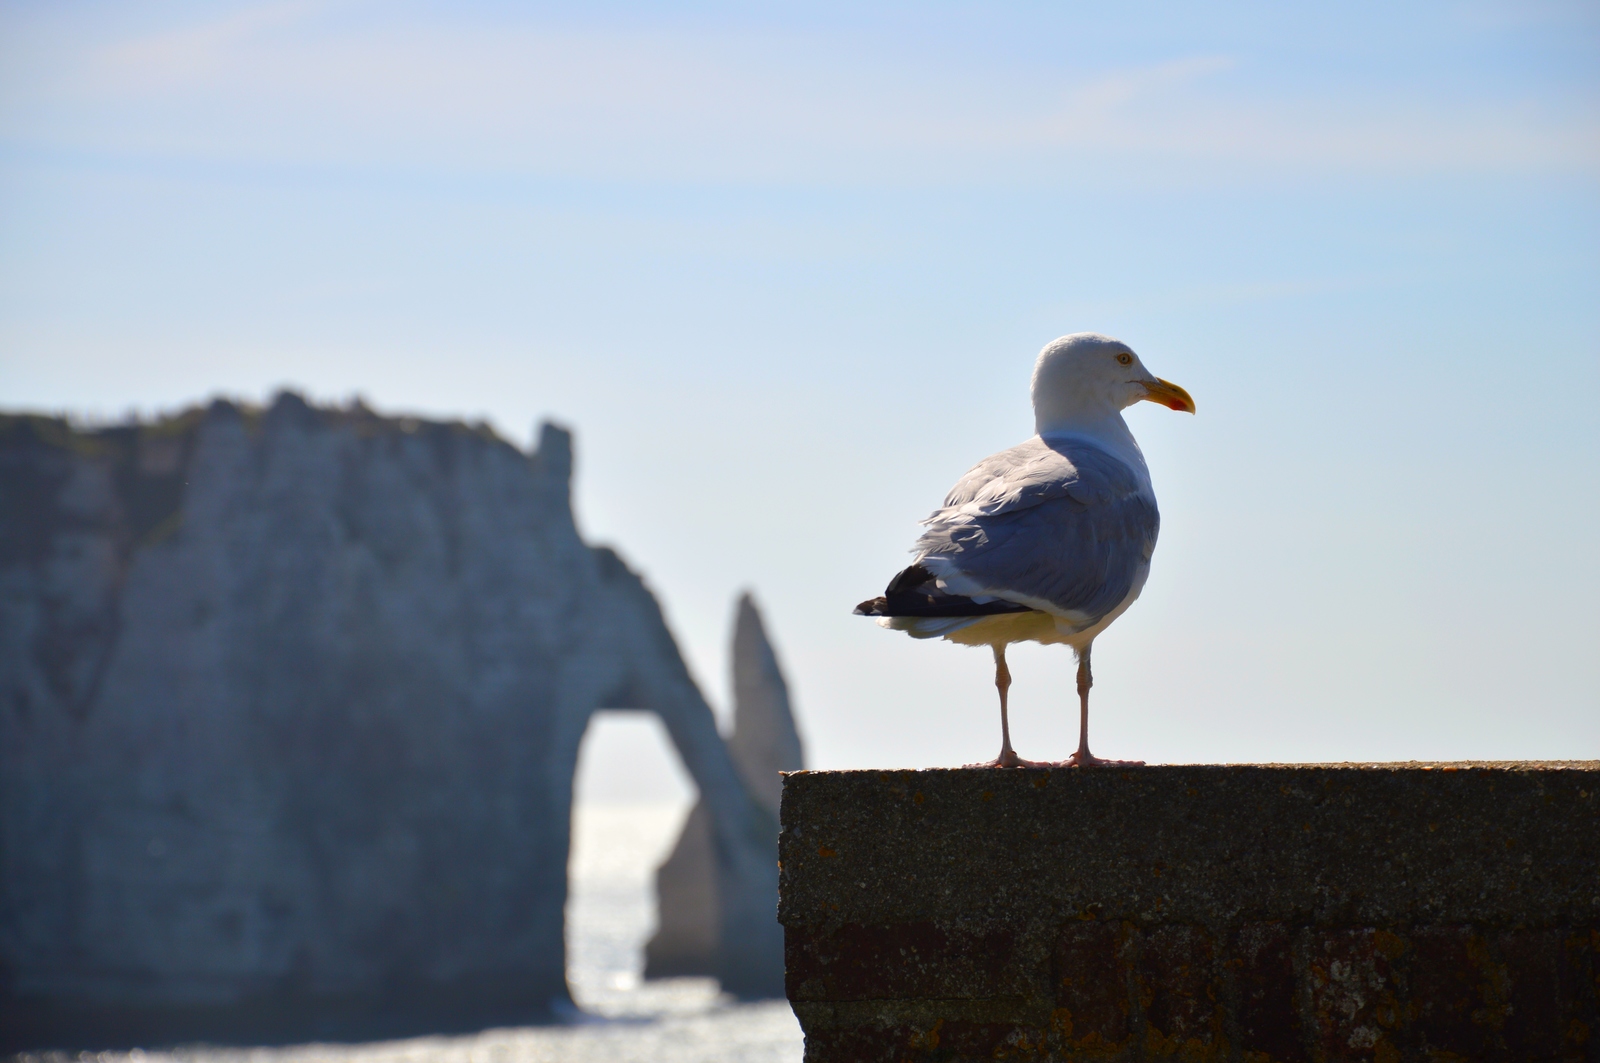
<point x="1059" y="522"/>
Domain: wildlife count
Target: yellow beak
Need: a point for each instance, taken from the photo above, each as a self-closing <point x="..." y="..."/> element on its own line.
<point x="1168" y="394"/>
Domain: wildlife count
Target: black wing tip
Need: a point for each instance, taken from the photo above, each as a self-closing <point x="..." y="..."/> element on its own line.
<point x="937" y="603"/>
<point x="909" y="579"/>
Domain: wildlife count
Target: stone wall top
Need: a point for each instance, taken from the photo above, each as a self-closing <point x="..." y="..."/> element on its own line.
<point x="1330" y="843"/>
<point x="1240" y="912"/>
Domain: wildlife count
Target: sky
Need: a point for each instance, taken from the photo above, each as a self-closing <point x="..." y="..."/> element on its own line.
<point x="784" y="269"/>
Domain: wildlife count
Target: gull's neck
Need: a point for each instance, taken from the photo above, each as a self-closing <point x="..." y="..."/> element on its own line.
<point x="1105" y="429"/>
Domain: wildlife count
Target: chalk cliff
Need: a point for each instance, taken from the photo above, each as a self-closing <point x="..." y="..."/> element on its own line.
<point x="688" y="938"/>
<point x="290" y="702"/>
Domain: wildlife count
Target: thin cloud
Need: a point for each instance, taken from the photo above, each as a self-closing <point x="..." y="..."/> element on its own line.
<point x="283" y="82"/>
<point x="195" y="55"/>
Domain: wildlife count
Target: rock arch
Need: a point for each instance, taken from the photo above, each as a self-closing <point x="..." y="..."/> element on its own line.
<point x="765" y="742"/>
<point x="290" y="703"/>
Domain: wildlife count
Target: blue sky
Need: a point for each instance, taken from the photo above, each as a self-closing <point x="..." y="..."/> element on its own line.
<point x="784" y="269"/>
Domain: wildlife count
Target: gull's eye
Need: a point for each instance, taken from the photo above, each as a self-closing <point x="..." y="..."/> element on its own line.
<point x="1124" y="358"/>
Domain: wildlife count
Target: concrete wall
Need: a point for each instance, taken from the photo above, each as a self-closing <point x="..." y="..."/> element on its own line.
<point x="1253" y="913"/>
<point x="290" y="703"/>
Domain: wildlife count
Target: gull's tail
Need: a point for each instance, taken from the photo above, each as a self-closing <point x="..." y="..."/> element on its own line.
<point x="915" y="593"/>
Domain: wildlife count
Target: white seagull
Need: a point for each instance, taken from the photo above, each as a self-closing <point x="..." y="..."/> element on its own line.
<point x="1050" y="540"/>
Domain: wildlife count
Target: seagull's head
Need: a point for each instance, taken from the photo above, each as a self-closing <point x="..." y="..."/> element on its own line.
<point x="1084" y="378"/>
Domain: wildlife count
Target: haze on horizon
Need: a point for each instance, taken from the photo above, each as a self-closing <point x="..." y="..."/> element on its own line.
<point x="784" y="271"/>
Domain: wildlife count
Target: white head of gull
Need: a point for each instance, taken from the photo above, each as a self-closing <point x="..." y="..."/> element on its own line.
<point x="1049" y="541"/>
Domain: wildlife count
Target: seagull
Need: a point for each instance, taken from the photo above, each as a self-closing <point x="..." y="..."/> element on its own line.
<point x="1049" y="541"/>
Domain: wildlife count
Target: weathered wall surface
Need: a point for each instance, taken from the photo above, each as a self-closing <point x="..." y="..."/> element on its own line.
<point x="765" y="743"/>
<point x="1252" y="913"/>
<point x="290" y="703"/>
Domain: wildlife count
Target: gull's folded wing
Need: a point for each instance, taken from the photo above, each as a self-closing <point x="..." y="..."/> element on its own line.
<point x="1051" y="524"/>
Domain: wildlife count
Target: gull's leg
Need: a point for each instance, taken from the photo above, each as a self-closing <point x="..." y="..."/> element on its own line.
<point x="1085" y="681"/>
<point x="1002" y="682"/>
<point x="1083" y="758"/>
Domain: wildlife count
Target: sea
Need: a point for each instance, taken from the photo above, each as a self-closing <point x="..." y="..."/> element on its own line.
<point x="621" y="1018"/>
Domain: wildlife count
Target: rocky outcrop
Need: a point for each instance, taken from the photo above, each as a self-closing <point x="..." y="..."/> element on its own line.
<point x="290" y="702"/>
<point x="765" y="742"/>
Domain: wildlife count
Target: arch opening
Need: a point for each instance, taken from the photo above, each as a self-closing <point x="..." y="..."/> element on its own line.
<point x="631" y="794"/>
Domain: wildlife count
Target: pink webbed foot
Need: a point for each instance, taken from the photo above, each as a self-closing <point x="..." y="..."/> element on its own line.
<point x="1089" y="760"/>
<point x="1009" y="759"/>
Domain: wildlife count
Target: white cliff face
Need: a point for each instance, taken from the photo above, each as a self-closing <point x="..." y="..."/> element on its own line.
<point x="765" y="741"/>
<point x="290" y="704"/>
